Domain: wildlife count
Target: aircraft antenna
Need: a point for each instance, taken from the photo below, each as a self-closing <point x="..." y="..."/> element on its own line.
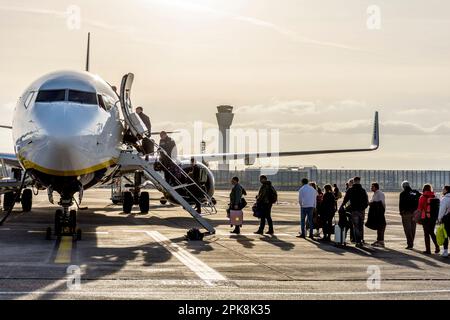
<point x="88" y="52"/>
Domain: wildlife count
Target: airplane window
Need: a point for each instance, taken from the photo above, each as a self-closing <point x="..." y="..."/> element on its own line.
<point x="51" y="95"/>
<point x="29" y="98"/>
<point x="101" y="103"/>
<point x="82" y="97"/>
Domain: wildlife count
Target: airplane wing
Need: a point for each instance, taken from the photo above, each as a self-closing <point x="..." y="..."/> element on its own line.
<point x="10" y="160"/>
<point x="250" y="157"/>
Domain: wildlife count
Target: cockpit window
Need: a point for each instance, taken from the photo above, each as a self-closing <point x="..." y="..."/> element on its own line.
<point x="51" y="95"/>
<point x="82" y="97"/>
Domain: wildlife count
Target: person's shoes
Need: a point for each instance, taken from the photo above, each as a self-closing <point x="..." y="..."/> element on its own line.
<point x="270" y="232"/>
<point x="236" y="231"/>
<point x="426" y="252"/>
<point x="259" y="232"/>
<point x="379" y="244"/>
<point x="359" y="245"/>
<point x="445" y="253"/>
<point x="311" y="236"/>
<point x="301" y="236"/>
<point x="437" y="250"/>
<point x="409" y="248"/>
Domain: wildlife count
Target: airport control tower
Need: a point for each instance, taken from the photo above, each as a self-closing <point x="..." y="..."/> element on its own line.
<point x="224" y="119"/>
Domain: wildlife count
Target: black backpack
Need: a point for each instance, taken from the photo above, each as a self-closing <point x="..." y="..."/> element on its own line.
<point x="273" y="195"/>
<point x="435" y="204"/>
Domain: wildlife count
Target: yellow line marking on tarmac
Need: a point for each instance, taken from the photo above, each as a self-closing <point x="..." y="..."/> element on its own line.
<point x="64" y="254"/>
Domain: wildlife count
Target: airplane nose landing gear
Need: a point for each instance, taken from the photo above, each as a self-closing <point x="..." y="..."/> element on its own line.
<point x="65" y="222"/>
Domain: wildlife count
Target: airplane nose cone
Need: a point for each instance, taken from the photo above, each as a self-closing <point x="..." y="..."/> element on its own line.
<point x="69" y="140"/>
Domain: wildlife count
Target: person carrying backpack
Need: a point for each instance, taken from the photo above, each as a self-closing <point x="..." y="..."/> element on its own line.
<point x="266" y="197"/>
<point x="428" y="217"/>
<point x="359" y="201"/>
<point x="409" y="201"/>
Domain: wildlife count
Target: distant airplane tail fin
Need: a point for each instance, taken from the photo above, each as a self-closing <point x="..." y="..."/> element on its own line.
<point x="376" y="133"/>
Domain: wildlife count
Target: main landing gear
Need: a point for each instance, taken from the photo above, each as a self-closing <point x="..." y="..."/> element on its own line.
<point x="65" y="223"/>
<point x="133" y="194"/>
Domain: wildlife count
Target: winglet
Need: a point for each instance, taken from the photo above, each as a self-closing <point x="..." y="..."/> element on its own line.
<point x="376" y="133"/>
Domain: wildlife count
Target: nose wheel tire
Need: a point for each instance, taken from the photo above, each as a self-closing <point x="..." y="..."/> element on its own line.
<point x="58" y="222"/>
<point x="48" y="234"/>
<point x="78" y="235"/>
<point x="144" y="202"/>
<point x="27" y="200"/>
<point x="8" y="200"/>
<point x="128" y="201"/>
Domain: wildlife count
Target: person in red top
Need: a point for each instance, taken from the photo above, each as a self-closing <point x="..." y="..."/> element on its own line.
<point x="428" y="221"/>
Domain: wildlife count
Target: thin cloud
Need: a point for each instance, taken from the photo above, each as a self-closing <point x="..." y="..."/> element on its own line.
<point x="290" y="34"/>
<point x="300" y="107"/>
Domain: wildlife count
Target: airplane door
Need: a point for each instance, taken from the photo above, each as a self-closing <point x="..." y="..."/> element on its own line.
<point x="132" y="120"/>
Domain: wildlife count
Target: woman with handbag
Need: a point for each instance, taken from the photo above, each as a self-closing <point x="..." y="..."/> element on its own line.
<point x="237" y="203"/>
<point x="327" y="212"/>
<point x="425" y="216"/>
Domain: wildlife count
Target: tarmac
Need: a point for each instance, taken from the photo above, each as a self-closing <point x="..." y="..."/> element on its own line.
<point x="135" y="256"/>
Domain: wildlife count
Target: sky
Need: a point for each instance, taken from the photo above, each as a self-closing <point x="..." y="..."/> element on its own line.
<point x="316" y="71"/>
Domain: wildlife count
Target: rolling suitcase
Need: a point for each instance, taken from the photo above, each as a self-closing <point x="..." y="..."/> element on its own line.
<point x="339" y="235"/>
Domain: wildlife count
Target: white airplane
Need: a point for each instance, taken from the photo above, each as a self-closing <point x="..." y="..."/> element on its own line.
<point x="68" y="134"/>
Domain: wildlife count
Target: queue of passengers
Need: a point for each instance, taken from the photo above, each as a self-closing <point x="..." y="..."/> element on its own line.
<point x="318" y="210"/>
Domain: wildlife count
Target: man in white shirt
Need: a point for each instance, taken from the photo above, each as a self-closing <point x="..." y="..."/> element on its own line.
<point x="377" y="198"/>
<point x="307" y="198"/>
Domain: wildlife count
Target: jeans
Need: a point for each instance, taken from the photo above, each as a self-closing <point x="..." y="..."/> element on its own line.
<point x="409" y="226"/>
<point x="358" y="225"/>
<point x="307" y="212"/>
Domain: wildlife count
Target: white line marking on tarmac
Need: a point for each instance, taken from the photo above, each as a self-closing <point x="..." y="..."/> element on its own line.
<point x="235" y="292"/>
<point x="201" y="269"/>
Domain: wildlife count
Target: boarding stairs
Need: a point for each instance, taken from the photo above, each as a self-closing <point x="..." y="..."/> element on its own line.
<point x="182" y="187"/>
<point x="133" y="161"/>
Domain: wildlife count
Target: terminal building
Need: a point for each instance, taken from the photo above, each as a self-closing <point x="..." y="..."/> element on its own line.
<point x="288" y="179"/>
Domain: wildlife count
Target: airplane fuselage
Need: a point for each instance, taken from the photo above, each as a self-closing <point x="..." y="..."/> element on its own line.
<point x="67" y="131"/>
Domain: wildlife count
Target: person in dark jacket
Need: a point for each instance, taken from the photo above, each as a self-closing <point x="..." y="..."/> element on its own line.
<point x="409" y="201"/>
<point x="266" y="197"/>
<point x="235" y="200"/>
<point x="428" y="219"/>
<point x="167" y="144"/>
<point x="337" y="193"/>
<point x="145" y="119"/>
<point x="147" y="144"/>
<point x="359" y="200"/>
<point x="194" y="174"/>
<point x="327" y="211"/>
